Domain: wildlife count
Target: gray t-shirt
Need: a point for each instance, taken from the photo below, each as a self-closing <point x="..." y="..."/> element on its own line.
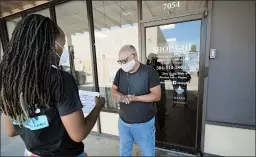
<point x="138" y="83"/>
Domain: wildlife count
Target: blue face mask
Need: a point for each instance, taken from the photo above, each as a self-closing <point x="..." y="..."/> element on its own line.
<point x="64" y="58"/>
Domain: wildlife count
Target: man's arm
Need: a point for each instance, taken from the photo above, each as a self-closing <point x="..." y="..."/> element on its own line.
<point x="153" y="96"/>
<point x="155" y="89"/>
<point x="119" y="96"/>
<point x="115" y="92"/>
<point x="8" y="125"/>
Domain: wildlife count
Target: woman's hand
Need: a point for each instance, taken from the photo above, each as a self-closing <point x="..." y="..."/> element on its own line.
<point x="100" y="102"/>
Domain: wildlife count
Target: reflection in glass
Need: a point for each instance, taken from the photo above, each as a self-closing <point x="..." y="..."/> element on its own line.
<point x="173" y="50"/>
<point x="44" y="12"/>
<point x="74" y="23"/>
<point x="11" y="24"/>
<point x="115" y="24"/>
<point x="18" y="6"/>
<point x="159" y="8"/>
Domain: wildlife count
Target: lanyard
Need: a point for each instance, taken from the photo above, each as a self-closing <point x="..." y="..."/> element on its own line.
<point x="128" y="84"/>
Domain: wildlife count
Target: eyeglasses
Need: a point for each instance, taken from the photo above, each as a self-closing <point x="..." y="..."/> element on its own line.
<point x="124" y="61"/>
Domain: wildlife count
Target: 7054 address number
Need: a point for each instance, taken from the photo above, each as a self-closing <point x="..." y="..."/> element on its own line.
<point x="171" y="5"/>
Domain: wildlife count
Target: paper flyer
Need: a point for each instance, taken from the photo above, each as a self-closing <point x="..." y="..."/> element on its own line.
<point x="87" y="100"/>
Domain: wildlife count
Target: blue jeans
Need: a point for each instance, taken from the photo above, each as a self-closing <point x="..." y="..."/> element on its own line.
<point x="141" y="133"/>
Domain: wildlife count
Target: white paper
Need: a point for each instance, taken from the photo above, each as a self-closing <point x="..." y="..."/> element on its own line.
<point x="87" y="98"/>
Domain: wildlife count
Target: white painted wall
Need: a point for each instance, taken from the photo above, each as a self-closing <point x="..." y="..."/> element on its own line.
<point x="95" y="128"/>
<point x="109" y="123"/>
<point x="229" y="141"/>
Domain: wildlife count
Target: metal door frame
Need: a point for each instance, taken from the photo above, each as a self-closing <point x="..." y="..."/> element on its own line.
<point x="179" y="18"/>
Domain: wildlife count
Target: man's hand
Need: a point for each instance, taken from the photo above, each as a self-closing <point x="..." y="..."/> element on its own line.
<point x="132" y="98"/>
<point x="100" y="102"/>
<point x="125" y="99"/>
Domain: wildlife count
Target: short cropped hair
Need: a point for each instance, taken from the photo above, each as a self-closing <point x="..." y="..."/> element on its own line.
<point x="129" y="48"/>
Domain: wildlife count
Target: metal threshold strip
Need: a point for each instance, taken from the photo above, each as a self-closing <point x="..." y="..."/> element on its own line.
<point x="173" y="152"/>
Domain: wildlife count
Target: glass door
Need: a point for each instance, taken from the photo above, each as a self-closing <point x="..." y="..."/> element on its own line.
<point x="174" y="51"/>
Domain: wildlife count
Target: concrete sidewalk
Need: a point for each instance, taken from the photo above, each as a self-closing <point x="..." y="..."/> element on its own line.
<point x="94" y="146"/>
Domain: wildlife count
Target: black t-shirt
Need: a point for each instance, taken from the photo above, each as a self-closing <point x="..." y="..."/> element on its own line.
<point x="46" y="135"/>
<point x="138" y="83"/>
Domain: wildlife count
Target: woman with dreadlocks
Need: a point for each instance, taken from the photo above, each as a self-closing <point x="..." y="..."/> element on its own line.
<point x="38" y="101"/>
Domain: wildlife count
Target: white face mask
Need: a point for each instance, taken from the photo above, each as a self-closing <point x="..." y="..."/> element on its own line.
<point x="64" y="58"/>
<point x="128" y="66"/>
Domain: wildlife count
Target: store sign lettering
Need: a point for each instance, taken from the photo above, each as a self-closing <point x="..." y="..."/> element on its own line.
<point x="172" y="48"/>
<point x="179" y="98"/>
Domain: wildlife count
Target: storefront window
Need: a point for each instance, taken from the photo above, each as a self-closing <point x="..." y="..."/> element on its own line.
<point x="44" y="12"/>
<point x="72" y="19"/>
<point x="9" y="7"/>
<point x="115" y="24"/>
<point x="11" y="24"/>
<point x="151" y="9"/>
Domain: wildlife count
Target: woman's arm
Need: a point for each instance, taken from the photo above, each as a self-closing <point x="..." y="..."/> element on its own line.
<point x="8" y="126"/>
<point x="70" y="111"/>
<point x="79" y="127"/>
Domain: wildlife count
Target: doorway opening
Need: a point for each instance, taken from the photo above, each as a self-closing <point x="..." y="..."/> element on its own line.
<point x="174" y="51"/>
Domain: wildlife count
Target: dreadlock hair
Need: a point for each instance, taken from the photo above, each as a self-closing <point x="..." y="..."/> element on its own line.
<point x="26" y="66"/>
